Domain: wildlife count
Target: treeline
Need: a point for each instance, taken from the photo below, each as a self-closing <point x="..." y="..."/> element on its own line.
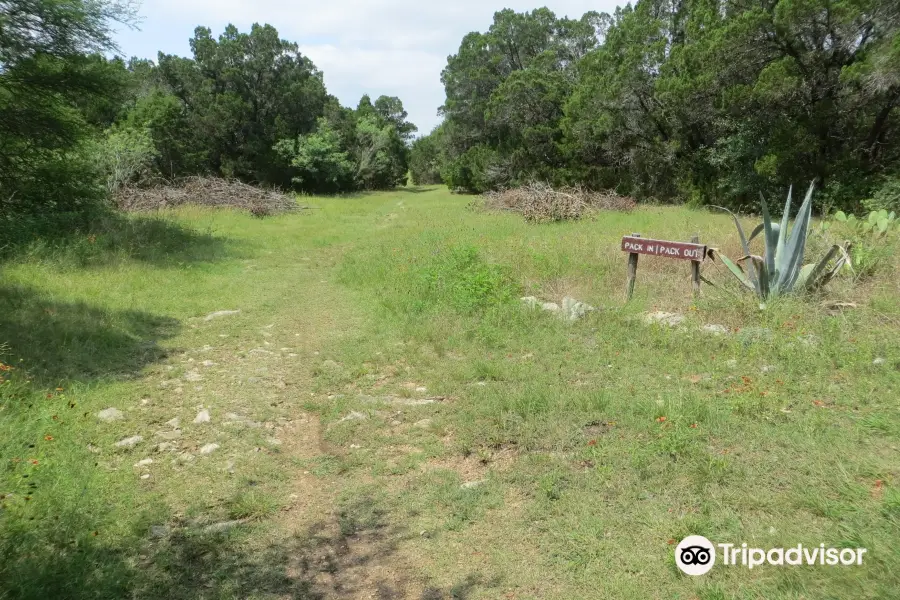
<point x="706" y="101"/>
<point x="74" y="124"/>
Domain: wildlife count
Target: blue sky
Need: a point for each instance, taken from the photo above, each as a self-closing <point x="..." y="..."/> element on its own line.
<point x="391" y="47"/>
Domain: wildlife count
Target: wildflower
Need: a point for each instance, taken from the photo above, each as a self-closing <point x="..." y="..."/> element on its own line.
<point x="693" y="426"/>
<point x="592" y="443"/>
<point x="661" y="420"/>
<point x="49" y="438"/>
<point x="59" y="389"/>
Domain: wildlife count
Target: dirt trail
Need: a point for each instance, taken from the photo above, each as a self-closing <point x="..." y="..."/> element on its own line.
<point x="330" y="561"/>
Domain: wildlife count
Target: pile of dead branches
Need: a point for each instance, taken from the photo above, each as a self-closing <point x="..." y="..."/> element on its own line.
<point x="538" y="202"/>
<point x="205" y="191"/>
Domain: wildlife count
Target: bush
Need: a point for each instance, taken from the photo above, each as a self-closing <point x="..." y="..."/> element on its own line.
<point x="425" y="159"/>
<point x="870" y="239"/>
<point x="460" y="277"/>
<point x="886" y="197"/>
<point x="319" y="163"/>
<point x="468" y="172"/>
<point x="124" y="156"/>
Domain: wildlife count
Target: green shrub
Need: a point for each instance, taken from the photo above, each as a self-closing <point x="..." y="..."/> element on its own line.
<point x="886" y="197"/>
<point x="869" y="238"/>
<point x="460" y="277"/>
<point x="469" y="171"/>
<point x="319" y="162"/>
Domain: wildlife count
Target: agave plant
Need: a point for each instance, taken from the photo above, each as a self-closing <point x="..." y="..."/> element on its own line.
<point x="781" y="269"/>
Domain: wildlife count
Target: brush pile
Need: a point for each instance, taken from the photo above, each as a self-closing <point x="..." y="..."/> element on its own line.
<point x="538" y="202"/>
<point x="205" y="191"/>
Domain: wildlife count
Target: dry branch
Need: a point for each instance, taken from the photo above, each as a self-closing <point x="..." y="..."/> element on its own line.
<point x="206" y="191"/>
<point x="538" y="202"/>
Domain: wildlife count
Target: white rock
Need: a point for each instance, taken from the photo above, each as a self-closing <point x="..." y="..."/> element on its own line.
<point x="550" y="306"/>
<point x="166" y="447"/>
<point x="130" y="442"/>
<point x="355" y="446"/>
<point x="423" y="424"/>
<point x="531" y="302"/>
<point x="221" y="313"/>
<point x="421" y="389"/>
<point x="353" y="416"/>
<point x="665" y="318"/>
<point x="209" y="448"/>
<point x="174" y="423"/>
<point x="472" y="484"/>
<point x="193" y="376"/>
<point x="144" y="463"/>
<point x="145" y="476"/>
<point x="202" y="417"/>
<point x="879" y="361"/>
<point x="110" y="414"/>
<point x="769" y="368"/>
<point x="573" y="309"/>
<point x="208" y="363"/>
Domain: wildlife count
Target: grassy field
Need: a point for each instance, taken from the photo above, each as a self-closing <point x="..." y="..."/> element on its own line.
<point x="384" y="419"/>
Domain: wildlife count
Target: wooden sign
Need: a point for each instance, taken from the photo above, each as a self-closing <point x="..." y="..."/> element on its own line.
<point x="635" y="245"/>
<point x="682" y="250"/>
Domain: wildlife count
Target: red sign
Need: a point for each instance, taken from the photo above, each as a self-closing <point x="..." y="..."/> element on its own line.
<point x="682" y="250"/>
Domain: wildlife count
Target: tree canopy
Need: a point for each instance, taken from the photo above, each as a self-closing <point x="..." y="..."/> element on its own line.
<point x="75" y="124"/>
<point x="711" y="101"/>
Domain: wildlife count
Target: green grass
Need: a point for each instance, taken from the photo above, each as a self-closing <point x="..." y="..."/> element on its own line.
<point x="542" y="459"/>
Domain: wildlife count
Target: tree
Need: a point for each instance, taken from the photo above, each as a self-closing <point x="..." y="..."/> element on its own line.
<point x="698" y="100"/>
<point x="390" y="110"/>
<point x="241" y="94"/>
<point x="55" y="93"/>
<point x="320" y="164"/>
<point x="506" y="89"/>
<point x="426" y="157"/>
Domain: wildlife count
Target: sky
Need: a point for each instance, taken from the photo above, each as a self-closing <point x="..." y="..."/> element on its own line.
<point x="375" y="47"/>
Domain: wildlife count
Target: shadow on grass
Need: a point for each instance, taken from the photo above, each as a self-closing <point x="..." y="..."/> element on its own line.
<point x="112" y="237"/>
<point x="59" y="342"/>
<point x="418" y="189"/>
<point x="320" y="564"/>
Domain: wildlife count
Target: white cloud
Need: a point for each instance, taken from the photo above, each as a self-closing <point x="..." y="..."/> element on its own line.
<point x="392" y="47"/>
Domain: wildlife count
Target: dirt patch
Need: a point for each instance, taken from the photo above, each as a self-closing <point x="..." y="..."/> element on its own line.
<point x="475" y="466"/>
<point x="595" y="429"/>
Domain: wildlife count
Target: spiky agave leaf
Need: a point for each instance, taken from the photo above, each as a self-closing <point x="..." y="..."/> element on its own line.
<point x="789" y="257"/>
<point x="751" y="273"/>
<point x="813" y="276"/>
<point x="735" y="270"/>
<point x="771" y="240"/>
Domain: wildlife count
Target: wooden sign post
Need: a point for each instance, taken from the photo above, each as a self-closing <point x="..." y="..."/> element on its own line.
<point x="635" y="245"/>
